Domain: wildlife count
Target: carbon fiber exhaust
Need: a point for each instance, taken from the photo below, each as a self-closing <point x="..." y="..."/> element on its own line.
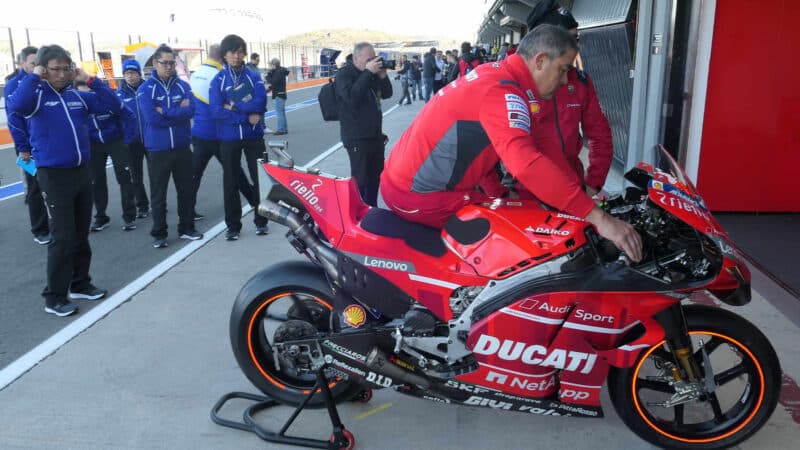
<point x="379" y="362"/>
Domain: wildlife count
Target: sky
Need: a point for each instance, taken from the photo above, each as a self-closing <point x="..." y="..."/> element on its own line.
<point x="254" y="20"/>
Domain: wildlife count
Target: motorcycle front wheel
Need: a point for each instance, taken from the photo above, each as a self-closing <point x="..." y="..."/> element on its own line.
<point x="284" y="302"/>
<point x="746" y="386"/>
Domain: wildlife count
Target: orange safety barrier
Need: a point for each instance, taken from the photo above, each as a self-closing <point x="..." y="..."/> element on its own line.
<point x="5" y="136"/>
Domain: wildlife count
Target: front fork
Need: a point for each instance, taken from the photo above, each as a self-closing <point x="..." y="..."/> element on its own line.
<point x="674" y="324"/>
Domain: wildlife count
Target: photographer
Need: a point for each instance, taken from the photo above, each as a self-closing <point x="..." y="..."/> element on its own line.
<point x="360" y="87"/>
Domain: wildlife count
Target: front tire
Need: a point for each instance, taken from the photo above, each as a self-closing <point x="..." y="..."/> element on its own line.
<point x="746" y="371"/>
<point x="266" y="301"/>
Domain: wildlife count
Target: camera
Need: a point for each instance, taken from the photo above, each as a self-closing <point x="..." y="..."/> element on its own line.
<point x="389" y="64"/>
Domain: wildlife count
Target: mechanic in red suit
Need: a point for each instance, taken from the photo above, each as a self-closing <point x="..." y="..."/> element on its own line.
<point x="498" y="112"/>
<point x="577" y="105"/>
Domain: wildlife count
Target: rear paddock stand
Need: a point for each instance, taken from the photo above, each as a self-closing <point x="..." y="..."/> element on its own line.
<point x="340" y="438"/>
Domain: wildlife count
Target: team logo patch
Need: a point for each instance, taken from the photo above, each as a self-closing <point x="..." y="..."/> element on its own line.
<point x="514" y="106"/>
<point x="535" y="108"/>
<point x="472" y="76"/>
<point x="354" y="315"/>
<point x="571" y="88"/>
<point x="658" y="185"/>
<point x="520" y="125"/>
<point x="531" y="97"/>
<point x="524" y="118"/>
<point x="515" y="98"/>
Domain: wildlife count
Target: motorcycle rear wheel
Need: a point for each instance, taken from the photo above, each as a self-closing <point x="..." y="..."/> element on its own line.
<point x="742" y="359"/>
<point x="259" y="312"/>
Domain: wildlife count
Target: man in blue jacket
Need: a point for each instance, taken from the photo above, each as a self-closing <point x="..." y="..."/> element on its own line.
<point x="105" y="132"/>
<point x="166" y="105"/>
<point x="58" y="119"/>
<point x="18" y="127"/>
<point x="204" y="128"/>
<point x="238" y="101"/>
<point x="133" y="129"/>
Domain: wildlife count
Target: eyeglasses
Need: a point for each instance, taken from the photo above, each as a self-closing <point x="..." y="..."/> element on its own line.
<point x="167" y="63"/>
<point x="65" y="69"/>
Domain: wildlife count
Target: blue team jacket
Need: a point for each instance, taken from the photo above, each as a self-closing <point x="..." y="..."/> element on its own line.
<point x="232" y="125"/>
<point x="204" y="126"/>
<point x="172" y="128"/>
<point x="58" y="122"/>
<point x="107" y="126"/>
<point x="132" y="122"/>
<point x="17" y="124"/>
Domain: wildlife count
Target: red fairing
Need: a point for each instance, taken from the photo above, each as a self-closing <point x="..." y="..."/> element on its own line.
<point x="522" y="234"/>
<point x="520" y="347"/>
<point x="318" y="193"/>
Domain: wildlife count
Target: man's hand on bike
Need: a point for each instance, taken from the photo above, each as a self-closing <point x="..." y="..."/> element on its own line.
<point x="622" y="234"/>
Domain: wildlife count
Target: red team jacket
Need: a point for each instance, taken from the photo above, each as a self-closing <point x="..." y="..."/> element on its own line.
<point x="494" y="113"/>
<point x="577" y="103"/>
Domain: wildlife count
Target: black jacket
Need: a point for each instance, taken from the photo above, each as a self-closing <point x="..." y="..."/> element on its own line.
<point x="358" y="94"/>
<point x="416" y="71"/>
<point x="452" y="72"/>
<point x="429" y="67"/>
<point x="406" y="70"/>
<point x="276" y="78"/>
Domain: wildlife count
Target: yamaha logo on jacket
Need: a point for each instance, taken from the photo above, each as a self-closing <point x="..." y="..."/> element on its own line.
<point x="172" y="128"/>
<point x="59" y="121"/>
<point x="226" y="88"/>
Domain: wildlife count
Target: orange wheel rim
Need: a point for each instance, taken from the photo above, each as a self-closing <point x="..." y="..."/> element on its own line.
<point x="738" y="428"/>
<point x="250" y="344"/>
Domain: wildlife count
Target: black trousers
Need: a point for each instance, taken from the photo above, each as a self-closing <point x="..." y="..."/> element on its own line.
<point x="231" y="153"/>
<point x="36" y="207"/>
<point x="119" y="157"/>
<point x="366" y="165"/>
<point x="68" y="196"/>
<point x="137" y="154"/>
<point x="202" y="152"/>
<point x="161" y="165"/>
<point x="406" y="95"/>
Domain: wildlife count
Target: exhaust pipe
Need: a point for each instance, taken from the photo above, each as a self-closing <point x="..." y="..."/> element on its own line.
<point x="283" y="215"/>
<point x="379" y="362"/>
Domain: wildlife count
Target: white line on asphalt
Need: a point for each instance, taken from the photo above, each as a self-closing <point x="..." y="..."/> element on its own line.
<point x="337" y="146"/>
<point x="24" y="363"/>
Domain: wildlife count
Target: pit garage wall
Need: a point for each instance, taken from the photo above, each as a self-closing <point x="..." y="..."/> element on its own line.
<point x="749" y="158"/>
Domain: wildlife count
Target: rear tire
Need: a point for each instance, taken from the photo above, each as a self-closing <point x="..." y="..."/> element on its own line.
<point x="753" y="358"/>
<point x="268" y="299"/>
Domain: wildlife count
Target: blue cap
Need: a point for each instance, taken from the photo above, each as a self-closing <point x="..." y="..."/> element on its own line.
<point x="131" y="64"/>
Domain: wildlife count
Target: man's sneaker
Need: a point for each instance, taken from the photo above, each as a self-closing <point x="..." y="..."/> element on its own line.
<point x="100" y="224"/>
<point x="262" y="231"/>
<point x="129" y="226"/>
<point x="142" y="214"/>
<point x="192" y="235"/>
<point x="160" y="243"/>
<point x="198" y="216"/>
<point x="62" y="309"/>
<point x="231" y="235"/>
<point x="43" y="239"/>
<point x="90" y="293"/>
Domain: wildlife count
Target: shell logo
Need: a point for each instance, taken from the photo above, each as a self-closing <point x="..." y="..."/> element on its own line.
<point x="535" y="107"/>
<point x="354" y="315"/>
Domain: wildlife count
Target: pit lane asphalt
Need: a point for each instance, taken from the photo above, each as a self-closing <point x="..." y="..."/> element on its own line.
<point x="121" y="257"/>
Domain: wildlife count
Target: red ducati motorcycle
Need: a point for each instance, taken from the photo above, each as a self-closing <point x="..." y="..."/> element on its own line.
<point x="511" y="306"/>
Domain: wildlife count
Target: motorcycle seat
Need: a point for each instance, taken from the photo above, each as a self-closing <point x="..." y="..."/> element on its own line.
<point x="420" y="237"/>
